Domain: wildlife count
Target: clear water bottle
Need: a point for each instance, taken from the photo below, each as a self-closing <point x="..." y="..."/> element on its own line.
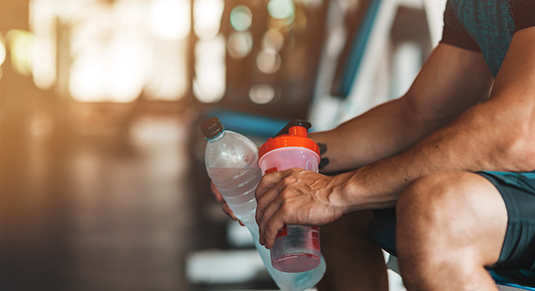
<point x="231" y="161"/>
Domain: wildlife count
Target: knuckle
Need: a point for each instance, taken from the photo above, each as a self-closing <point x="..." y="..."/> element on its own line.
<point x="286" y="181"/>
<point x="272" y="233"/>
<point x="289" y="180"/>
<point x="286" y="197"/>
<point x="295" y="170"/>
<point x="272" y="227"/>
<point x="287" y="208"/>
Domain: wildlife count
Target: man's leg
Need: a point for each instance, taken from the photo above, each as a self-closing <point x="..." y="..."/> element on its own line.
<point x="449" y="227"/>
<point x="353" y="262"/>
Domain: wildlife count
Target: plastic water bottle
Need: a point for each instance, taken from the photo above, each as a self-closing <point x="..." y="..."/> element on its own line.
<point x="231" y="161"/>
<point x="297" y="247"/>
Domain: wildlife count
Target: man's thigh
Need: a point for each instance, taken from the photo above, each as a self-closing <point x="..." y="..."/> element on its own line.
<point x="467" y="196"/>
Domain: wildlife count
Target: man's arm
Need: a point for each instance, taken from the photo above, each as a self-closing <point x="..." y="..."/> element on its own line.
<point x="450" y="81"/>
<point x="498" y="134"/>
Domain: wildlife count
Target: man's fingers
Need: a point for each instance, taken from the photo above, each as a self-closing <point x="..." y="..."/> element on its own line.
<point x="228" y="211"/>
<point x="264" y="202"/>
<point x="223" y="203"/>
<point x="268" y="206"/>
<point x="267" y="216"/>
<point x="269" y="189"/>
<point x="268" y="181"/>
<point x="272" y="229"/>
<point x="216" y="193"/>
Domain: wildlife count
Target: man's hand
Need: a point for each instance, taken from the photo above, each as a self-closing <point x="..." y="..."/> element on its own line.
<point x="294" y="196"/>
<point x="222" y="202"/>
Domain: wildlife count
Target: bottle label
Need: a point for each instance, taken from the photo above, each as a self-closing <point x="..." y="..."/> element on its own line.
<point x="271" y="170"/>
<point x="282" y="232"/>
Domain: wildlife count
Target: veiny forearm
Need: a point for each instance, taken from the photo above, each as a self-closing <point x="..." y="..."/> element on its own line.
<point x="498" y="135"/>
<point x="381" y="132"/>
<point x="470" y="143"/>
<point x="438" y="95"/>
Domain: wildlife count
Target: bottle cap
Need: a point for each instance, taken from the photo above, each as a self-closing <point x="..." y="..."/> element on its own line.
<point x="211" y="127"/>
<point x="297" y="136"/>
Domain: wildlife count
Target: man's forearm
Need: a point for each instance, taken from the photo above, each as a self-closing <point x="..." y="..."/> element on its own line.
<point x="381" y="132"/>
<point x="470" y="143"/>
<point x="438" y="95"/>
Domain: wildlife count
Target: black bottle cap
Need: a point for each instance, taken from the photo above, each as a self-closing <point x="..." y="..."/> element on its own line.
<point x="295" y="122"/>
<point x="211" y="128"/>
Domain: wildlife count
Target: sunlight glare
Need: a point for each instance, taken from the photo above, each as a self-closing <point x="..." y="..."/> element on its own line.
<point x="126" y="70"/>
<point x="207" y="17"/>
<point x="170" y="19"/>
<point x="2" y="52"/>
<point x="20" y="43"/>
<point x="87" y="78"/>
<point x="209" y="85"/>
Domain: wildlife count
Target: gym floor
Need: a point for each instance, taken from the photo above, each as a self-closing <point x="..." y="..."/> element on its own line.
<point x="100" y="213"/>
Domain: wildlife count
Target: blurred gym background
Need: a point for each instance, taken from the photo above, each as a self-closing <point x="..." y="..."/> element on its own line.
<point x="102" y="181"/>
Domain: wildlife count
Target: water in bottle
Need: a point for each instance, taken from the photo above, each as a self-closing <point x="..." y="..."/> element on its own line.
<point x="231" y="161"/>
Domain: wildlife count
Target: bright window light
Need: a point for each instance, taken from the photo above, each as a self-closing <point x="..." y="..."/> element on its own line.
<point x="112" y="50"/>
<point x="168" y="78"/>
<point x="87" y="79"/>
<point x="109" y="73"/>
<point x="207" y="17"/>
<point x="20" y="44"/>
<point x="2" y="52"/>
<point x="126" y="69"/>
<point x="170" y="19"/>
<point x="42" y="23"/>
<point x="209" y="85"/>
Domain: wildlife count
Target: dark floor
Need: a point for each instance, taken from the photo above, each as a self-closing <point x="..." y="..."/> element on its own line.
<point x="103" y="213"/>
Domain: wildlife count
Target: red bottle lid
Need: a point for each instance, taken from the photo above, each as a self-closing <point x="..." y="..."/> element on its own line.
<point x="297" y="137"/>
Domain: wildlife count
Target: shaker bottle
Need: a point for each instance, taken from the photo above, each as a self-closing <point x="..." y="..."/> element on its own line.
<point x="296" y="248"/>
<point x="232" y="164"/>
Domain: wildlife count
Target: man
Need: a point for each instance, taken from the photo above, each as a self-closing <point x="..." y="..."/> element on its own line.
<point x="470" y="109"/>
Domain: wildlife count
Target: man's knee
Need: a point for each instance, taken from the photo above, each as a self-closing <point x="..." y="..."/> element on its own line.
<point x="423" y="212"/>
<point x="425" y="224"/>
<point x="445" y="206"/>
<point x="439" y="224"/>
<point x="429" y="201"/>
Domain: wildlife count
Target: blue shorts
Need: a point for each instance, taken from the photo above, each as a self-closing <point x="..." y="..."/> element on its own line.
<point x="517" y="258"/>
